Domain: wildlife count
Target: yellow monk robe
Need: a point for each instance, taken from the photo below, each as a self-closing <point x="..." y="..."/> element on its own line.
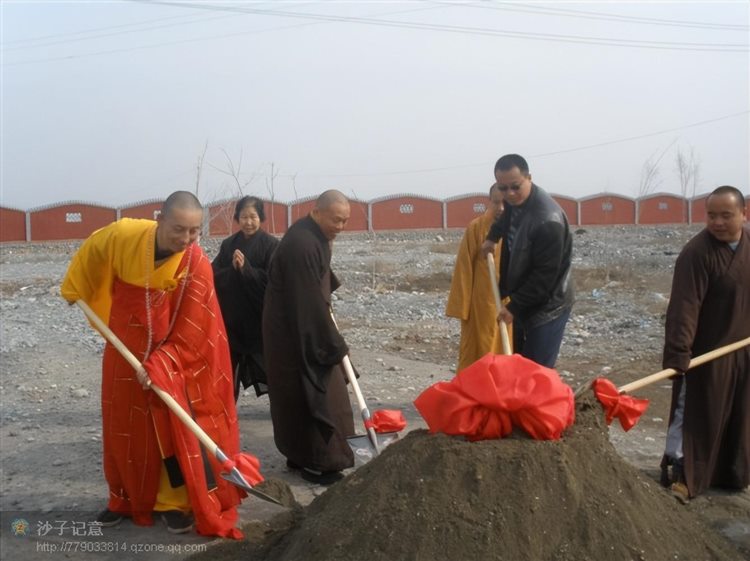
<point x="471" y="299"/>
<point x="114" y="272"/>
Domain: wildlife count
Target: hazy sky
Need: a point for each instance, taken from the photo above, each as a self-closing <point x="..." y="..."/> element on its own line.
<point x="114" y="102"/>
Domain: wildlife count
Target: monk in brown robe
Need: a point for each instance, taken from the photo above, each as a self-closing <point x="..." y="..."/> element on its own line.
<point x="470" y="298"/>
<point x="310" y="407"/>
<point x="708" y="440"/>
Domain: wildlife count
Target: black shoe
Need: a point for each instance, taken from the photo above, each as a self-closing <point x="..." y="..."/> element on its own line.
<point x="291" y="465"/>
<point x="177" y="521"/>
<point x="321" y="478"/>
<point x="107" y="518"/>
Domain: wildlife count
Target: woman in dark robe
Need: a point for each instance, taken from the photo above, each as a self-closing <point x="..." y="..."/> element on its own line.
<point x="240" y="276"/>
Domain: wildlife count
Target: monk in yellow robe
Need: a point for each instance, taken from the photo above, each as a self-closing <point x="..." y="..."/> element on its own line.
<point x="470" y="298"/>
<point x="153" y="285"/>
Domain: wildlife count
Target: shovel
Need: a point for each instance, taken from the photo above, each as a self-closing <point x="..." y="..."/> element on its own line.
<point x="232" y="474"/>
<point x="628" y="409"/>
<point x="498" y="304"/>
<point x="366" y="446"/>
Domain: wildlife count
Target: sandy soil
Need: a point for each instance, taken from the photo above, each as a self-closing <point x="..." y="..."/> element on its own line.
<point x="391" y="312"/>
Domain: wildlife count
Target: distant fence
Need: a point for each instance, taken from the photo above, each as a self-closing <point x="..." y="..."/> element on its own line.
<point x="74" y="220"/>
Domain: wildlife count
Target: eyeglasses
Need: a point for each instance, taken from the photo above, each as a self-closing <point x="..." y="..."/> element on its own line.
<point x="504" y="188"/>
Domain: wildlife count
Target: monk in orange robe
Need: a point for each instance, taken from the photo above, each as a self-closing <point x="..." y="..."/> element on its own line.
<point x="153" y="285"/>
<point x="470" y="298"/>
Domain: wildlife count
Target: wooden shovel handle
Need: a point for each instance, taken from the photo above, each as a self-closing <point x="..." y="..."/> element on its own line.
<point x="364" y="411"/>
<point x="498" y="304"/>
<point x="175" y="407"/>
<point x="697" y="361"/>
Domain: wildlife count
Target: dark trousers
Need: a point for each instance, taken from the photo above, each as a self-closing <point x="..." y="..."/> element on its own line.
<point x="540" y="343"/>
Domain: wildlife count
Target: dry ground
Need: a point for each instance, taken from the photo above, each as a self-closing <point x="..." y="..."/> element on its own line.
<point x="390" y="309"/>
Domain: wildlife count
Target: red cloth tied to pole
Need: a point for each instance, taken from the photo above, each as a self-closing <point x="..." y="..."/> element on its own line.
<point x="249" y="466"/>
<point x="625" y="408"/>
<point x="388" y="420"/>
<point x="496" y="393"/>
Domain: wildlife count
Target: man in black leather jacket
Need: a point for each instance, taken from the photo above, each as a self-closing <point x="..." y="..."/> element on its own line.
<point x="535" y="260"/>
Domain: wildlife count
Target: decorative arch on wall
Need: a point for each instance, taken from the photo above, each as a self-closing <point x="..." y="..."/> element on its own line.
<point x="70" y="220"/>
<point x="606" y="209"/>
<point x="406" y="212"/>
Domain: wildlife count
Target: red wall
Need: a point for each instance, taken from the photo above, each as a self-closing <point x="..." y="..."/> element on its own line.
<point x="398" y="213"/>
<point x="221" y="218"/>
<point x="462" y="211"/>
<point x="607" y="209"/>
<point x="407" y="213"/>
<point x="699" y="209"/>
<point x="569" y="206"/>
<point x="146" y="210"/>
<point x="51" y="223"/>
<point x="663" y="209"/>
<point x="276" y="217"/>
<point x="12" y="225"/>
<point x="357" y="219"/>
<point x="302" y="209"/>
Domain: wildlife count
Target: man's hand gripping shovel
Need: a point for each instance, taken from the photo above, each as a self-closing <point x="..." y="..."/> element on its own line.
<point x="382" y="427"/>
<point x="498" y="305"/>
<point x="232" y="473"/>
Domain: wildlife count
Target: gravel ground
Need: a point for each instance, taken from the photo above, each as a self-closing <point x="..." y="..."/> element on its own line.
<point x="391" y="311"/>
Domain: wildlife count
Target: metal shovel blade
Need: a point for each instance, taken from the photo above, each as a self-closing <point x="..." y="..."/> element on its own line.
<point x="363" y="448"/>
<point x="236" y="478"/>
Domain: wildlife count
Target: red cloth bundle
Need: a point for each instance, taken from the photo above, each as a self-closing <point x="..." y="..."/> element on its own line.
<point x="487" y="399"/>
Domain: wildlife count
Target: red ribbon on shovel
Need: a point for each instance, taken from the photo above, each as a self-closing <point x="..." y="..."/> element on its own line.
<point x="624" y="408"/>
<point x="627" y="409"/>
<point x="388" y="420"/>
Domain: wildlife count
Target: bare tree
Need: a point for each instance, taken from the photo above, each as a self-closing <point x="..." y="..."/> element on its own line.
<point x="272" y="193"/>
<point x="296" y="196"/>
<point x="294" y="185"/>
<point x="235" y="172"/>
<point x="199" y="169"/>
<point x="372" y="235"/>
<point x="695" y="173"/>
<point x="650" y="173"/>
<point x="238" y="189"/>
<point x="650" y="177"/>
<point x="687" y="168"/>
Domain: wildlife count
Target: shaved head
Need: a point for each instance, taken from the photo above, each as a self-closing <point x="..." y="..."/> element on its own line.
<point x="330" y="197"/>
<point x="179" y="223"/>
<point x="331" y="213"/>
<point x="184" y="200"/>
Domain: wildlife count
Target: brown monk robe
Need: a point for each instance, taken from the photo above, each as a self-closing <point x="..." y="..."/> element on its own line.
<point x="310" y="407"/>
<point x="709" y="307"/>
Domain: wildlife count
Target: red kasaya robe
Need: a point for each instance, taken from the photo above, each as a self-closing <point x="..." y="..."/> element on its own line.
<point x="190" y="361"/>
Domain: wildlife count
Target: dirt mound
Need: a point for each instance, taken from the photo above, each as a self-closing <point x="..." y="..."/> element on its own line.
<point x="278" y="490"/>
<point x="434" y="497"/>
